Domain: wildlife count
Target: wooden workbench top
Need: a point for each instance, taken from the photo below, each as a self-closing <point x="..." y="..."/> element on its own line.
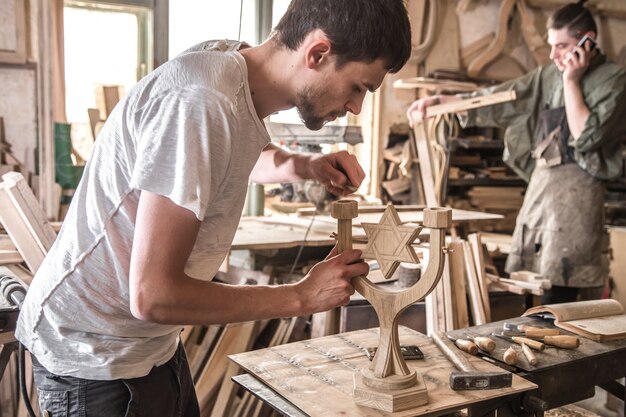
<point x="278" y="232"/>
<point x="317" y="375"/>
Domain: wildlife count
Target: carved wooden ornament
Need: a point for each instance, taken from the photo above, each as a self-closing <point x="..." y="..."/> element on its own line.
<point x="389" y="242"/>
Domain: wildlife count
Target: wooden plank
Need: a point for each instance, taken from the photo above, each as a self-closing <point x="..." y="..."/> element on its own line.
<point x="235" y="339"/>
<point x="479" y="263"/>
<point x="202" y="351"/>
<point x="24" y="220"/>
<point x="19" y="231"/>
<point x="448" y="295"/>
<point x="470" y="103"/>
<point x="435" y="84"/>
<point x="424" y="155"/>
<point x="8" y="257"/>
<point x="456" y="260"/>
<point x="476" y="302"/>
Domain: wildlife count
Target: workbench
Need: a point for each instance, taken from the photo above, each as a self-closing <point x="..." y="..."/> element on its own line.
<point x="293" y="378"/>
<point x="315" y="377"/>
<point x="563" y="376"/>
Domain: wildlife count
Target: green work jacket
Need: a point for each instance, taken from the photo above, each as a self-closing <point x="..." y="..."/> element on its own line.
<point x="597" y="150"/>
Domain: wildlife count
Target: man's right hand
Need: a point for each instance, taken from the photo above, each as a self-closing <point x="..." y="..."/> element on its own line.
<point x="420" y="107"/>
<point x="328" y="283"/>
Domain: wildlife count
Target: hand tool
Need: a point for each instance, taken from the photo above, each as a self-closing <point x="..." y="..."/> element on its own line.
<point x="532" y="359"/>
<point x="468" y="377"/>
<point x="465" y="345"/>
<point x="483" y="342"/>
<point x="561" y="341"/>
<point x="530" y="331"/>
<point x="533" y="344"/>
<point x="510" y="356"/>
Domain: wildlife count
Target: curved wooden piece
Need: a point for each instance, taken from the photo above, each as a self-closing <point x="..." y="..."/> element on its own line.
<point x="531" y="35"/>
<point x="497" y="45"/>
<point x="420" y="51"/>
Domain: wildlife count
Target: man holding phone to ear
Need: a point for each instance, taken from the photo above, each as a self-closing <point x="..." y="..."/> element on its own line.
<point x="563" y="135"/>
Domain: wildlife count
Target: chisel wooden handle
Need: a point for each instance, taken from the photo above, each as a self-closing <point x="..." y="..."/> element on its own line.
<point x="562" y="341"/>
<point x="466" y="346"/>
<point x="484" y="343"/>
<point x="532" y="359"/>
<point x="510" y="356"/>
<point x="533" y="344"/>
<point x="536" y="332"/>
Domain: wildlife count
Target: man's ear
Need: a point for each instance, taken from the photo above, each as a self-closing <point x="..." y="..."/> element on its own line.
<point x="318" y="52"/>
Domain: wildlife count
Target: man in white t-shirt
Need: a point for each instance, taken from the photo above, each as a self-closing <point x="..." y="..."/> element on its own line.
<point x="160" y="200"/>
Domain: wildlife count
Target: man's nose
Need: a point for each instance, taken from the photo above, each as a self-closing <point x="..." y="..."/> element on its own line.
<point x="553" y="53"/>
<point x="354" y="106"/>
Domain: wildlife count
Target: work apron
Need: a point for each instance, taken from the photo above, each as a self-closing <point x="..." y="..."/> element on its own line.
<point x="559" y="232"/>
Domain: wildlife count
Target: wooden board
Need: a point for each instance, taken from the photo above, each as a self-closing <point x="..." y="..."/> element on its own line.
<point x="307" y="371"/>
<point x="279" y="232"/>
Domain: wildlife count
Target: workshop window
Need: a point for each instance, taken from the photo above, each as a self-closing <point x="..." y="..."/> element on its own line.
<point x="193" y="21"/>
<point x="104" y="45"/>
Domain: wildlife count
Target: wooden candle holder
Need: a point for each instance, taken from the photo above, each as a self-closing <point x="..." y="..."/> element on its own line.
<point x="388" y="384"/>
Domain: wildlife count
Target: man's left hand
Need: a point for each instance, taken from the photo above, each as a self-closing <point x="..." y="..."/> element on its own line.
<point x="576" y="63"/>
<point x="339" y="172"/>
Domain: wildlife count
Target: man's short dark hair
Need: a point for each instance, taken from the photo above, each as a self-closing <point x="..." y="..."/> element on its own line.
<point x="575" y="17"/>
<point x="359" y="30"/>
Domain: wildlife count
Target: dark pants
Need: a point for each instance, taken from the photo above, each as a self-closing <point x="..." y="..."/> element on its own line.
<point x="167" y="391"/>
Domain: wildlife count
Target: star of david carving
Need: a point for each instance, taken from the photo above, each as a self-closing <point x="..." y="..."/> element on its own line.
<point x="389" y="242"/>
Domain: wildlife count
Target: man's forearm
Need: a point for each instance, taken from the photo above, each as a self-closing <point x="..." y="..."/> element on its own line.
<point x="576" y="109"/>
<point x="276" y="165"/>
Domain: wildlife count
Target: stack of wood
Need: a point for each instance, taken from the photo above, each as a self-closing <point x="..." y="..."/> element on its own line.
<point x="500" y="200"/>
<point x="400" y="159"/>
<point x="521" y="282"/>
<point x="463" y="289"/>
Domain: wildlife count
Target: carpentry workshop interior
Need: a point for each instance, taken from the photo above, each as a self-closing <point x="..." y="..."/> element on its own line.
<point x="490" y="211"/>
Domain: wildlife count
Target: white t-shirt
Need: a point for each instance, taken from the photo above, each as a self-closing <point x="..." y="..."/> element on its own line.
<point x="187" y="131"/>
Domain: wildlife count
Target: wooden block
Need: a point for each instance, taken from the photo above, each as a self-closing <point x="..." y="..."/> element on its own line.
<point x="390" y="401"/>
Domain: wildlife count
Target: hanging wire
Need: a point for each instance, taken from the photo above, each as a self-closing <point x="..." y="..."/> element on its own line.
<point x="240" y="19"/>
<point x="306" y="234"/>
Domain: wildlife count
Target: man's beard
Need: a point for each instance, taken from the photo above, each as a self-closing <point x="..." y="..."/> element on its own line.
<point x="306" y="110"/>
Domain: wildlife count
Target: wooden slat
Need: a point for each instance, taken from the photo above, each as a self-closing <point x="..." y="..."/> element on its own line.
<point x="236" y="338"/>
<point x="24" y="220"/>
<point x="470" y="103"/>
<point x="425" y="163"/>
<point x="479" y="263"/>
<point x="456" y="260"/>
<point x="478" y="312"/>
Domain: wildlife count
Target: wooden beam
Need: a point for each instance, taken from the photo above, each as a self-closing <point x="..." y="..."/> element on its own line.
<point x="468" y="104"/>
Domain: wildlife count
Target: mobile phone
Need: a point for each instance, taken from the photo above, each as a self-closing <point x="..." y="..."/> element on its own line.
<point x="409" y="352"/>
<point x="592" y="42"/>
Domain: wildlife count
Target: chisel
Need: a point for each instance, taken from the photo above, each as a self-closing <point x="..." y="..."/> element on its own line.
<point x="532" y="359"/>
<point x="465" y="345"/>
<point x="533" y="344"/>
<point x="562" y="341"/>
<point x="510" y="356"/>
<point x="483" y="342"/>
